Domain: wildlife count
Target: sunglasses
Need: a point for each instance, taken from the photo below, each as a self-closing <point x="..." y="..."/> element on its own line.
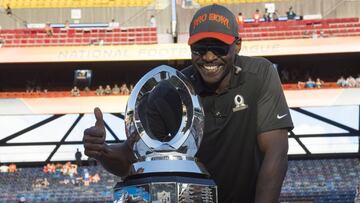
<point x="217" y="49"/>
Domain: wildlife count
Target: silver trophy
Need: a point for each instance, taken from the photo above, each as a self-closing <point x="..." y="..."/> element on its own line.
<point x="164" y="127"/>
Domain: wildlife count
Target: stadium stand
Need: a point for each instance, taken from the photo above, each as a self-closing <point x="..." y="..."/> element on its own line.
<point x="207" y="2"/>
<point x="74" y="3"/>
<point x="50" y="94"/>
<point x="299" y="29"/>
<point x="59" y="187"/>
<point x="70" y="37"/>
<point x="332" y="180"/>
<point x="320" y="181"/>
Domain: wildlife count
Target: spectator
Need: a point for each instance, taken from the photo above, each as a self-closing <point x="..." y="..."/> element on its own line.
<point x="358" y="81"/>
<point x="72" y="172"/>
<point x="1" y="42"/>
<point x="4" y="169"/>
<point x="29" y="86"/>
<point x="45" y="168"/>
<point x="67" y="24"/>
<point x="58" y="168"/>
<point x="152" y="21"/>
<point x="275" y="16"/>
<point x="48" y="29"/>
<point x="314" y="34"/>
<point x="86" y="177"/>
<point x="8" y="10"/>
<point x="113" y="24"/>
<point x="38" y="88"/>
<point x="78" y="156"/>
<point x="52" y="168"/>
<point x="318" y="83"/>
<point x="95" y="178"/>
<point x="12" y="168"/>
<point x="131" y="87"/>
<point x="291" y="14"/>
<point x="309" y="83"/>
<point x="357" y="193"/>
<point x="300" y="84"/>
<point x="107" y="90"/>
<point x="342" y="82"/>
<point x="101" y="42"/>
<point x="240" y="20"/>
<point x="351" y="81"/>
<point x="86" y="89"/>
<point x="266" y="15"/>
<point x="100" y="91"/>
<point x="256" y="16"/>
<point x="75" y="92"/>
<point x="124" y="89"/>
<point x="115" y="89"/>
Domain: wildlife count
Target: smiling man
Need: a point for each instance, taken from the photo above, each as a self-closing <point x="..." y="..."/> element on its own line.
<point x="246" y="115"/>
<point x="247" y="119"/>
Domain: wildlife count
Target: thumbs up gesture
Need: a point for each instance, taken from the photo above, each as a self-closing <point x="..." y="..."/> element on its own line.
<point x="94" y="137"/>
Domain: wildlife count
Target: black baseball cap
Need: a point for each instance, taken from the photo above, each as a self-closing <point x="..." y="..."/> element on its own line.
<point x="213" y="21"/>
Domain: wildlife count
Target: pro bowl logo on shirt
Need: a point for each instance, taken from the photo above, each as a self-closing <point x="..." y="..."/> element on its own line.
<point x="239" y="103"/>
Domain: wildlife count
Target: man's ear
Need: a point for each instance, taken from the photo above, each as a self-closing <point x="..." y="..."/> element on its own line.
<point x="237" y="45"/>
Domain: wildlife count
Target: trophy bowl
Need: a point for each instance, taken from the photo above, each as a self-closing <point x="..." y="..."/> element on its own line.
<point x="164" y="123"/>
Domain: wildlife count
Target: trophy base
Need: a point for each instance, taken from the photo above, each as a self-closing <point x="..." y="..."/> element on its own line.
<point x="166" y="189"/>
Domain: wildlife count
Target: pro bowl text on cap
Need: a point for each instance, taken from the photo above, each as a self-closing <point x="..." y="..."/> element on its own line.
<point x="213" y="21"/>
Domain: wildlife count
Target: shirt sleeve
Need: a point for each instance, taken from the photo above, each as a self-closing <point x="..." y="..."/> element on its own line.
<point x="273" y="111"/>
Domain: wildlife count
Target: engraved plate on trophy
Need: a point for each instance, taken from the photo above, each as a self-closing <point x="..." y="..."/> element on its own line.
<point x="164" y="124"/>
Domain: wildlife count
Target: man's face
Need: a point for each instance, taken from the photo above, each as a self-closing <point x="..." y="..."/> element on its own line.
<point x="213" y="59"/>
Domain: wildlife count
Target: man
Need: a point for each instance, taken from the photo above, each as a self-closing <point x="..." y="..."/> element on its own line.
<point x="8" y="10"/>
<point x="78" y="156"/>
<point x="266" y="16"/>
<point x="245" y="144"/>
<point x="240" y="19"/>
<point x="256" y="16"/>
<point x="152" y="21"/>
<point x="290" y="14"/>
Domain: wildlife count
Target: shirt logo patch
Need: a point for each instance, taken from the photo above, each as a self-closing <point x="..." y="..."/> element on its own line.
<point x="239" y="103"/>
<point x="280" y="117"/>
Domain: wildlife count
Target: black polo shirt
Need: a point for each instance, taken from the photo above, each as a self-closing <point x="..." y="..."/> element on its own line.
<point x="229" y="148"/>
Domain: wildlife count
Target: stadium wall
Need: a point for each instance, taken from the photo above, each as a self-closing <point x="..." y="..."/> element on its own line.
<point x="178" y="51"/>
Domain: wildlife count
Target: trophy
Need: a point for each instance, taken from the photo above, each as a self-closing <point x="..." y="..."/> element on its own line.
<point x="164" y="127"/>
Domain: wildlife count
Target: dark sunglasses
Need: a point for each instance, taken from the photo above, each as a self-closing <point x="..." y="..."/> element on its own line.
<point x="217" y="49"/>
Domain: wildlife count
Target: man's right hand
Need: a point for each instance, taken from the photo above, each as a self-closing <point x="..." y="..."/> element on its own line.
<point x="94" y="137"/>
<point x="115" y="158"/>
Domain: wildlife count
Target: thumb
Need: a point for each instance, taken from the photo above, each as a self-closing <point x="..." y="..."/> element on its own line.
<point x="99" y="118"/>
